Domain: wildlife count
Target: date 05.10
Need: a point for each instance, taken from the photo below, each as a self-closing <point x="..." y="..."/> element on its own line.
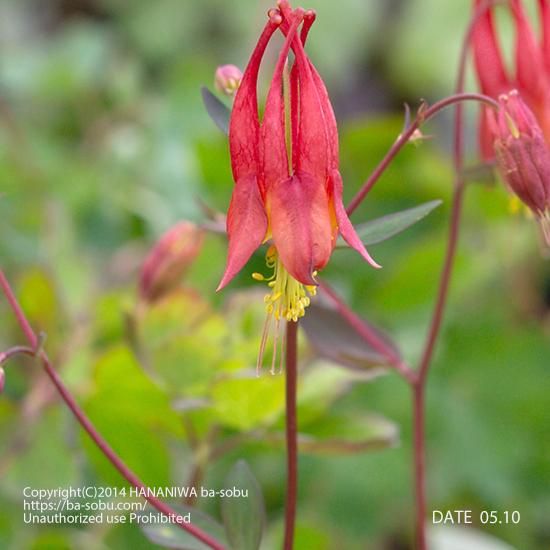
<point x="462" y="517"/>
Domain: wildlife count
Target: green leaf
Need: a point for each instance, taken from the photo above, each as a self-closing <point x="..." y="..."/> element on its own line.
<point x="169" y="535"/>
<point x="335" y="339"/>
<point x="246" y="401"/>
<point x="183" y="339"/>
<point x="320" y="385"/>
<point x="343" y="435"/>
<point x="243" y="516"/>
<point x="382" y="229"/>
<point x="217" y="110"/>
<point x="40" y="452"/>
<point x="134" y="415"/>
<point x="40" y="302"/>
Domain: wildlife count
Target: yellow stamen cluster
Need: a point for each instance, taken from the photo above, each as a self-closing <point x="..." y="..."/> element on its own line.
<point x="288" y="298"/>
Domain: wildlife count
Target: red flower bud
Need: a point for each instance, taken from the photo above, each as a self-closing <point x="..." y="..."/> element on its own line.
<point x="522" y="155"/>
<point x="228" y="79"/>
<point x="168" y="260"/>
<point x="2" y="379"/>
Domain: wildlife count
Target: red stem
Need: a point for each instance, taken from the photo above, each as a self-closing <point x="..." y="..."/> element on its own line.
<point x="444" y="283"/>
<point x="368" y="334"/>
<point x="291" y="432"/>
<point x="407" y="134"/>
<point x="419" y="465"/>
<point x="419" y="386"/>
<point x="422" y="373"/>
<point x="16" y="350"/>
<point x="417" y="380"/>
<point x="84" y="421"/>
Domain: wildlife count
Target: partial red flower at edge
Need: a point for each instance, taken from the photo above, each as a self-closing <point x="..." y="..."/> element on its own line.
<point x="519" y="135"/>
<point x="287" y="191"/>
<point x="523" y="157"/>
<point x="491" y="74"/>
<point x="530" y="75"/>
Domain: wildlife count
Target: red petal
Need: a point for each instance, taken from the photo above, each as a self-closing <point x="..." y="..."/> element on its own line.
<point x="244" y="126"/>
<point x="486" y="133"/>
<point x="309" y="19"/>
<point x="273" y="140"/>
<point x="322" y="100"/>
<point x="530" y="65"/>
<point x="294" y="107"/>
<point x="246" y="226"/>
<point x="487" y="56"/>
<point x="312" y="155"/>
<point x="344" y="224"/>
<point x="330" y="118"/>
<point x="300" y="223"/>
<point x="545" y="18"/>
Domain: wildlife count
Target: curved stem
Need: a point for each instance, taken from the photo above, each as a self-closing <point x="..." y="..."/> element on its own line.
<point x="291" y="432"/>
<point x="16" y="350"/>
<point x="85" y="422"/>
<point x="421" y="117"/>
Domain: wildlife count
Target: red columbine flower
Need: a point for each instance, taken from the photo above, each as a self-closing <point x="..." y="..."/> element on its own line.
<point x="295" y="203"/>
<point x="522" y="156"/>
<point x="531" y="74"/>
<point x="519" y="135"/>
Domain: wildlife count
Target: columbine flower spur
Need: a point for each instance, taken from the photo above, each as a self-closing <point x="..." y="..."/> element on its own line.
<point x="288" y="188"/>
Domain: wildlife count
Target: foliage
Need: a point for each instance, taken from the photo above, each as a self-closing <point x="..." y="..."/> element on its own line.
<point x="104" y="144"/>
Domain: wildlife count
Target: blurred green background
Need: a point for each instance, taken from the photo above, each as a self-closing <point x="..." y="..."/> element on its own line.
<point x="105" y="144"/>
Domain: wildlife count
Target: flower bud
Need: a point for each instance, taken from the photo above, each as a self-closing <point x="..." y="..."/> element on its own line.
<point x="168" y="260"/>
<point x="2" y="379"/>
<point x="228" y="79"/>
<point x="523" y="156"/>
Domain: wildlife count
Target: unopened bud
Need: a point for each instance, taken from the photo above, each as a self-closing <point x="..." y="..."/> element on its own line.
<point x="2" y="379"/>
<point x="168" y="260"/>
<point x="523" y="156"/>
<point x="228" y="79"/>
